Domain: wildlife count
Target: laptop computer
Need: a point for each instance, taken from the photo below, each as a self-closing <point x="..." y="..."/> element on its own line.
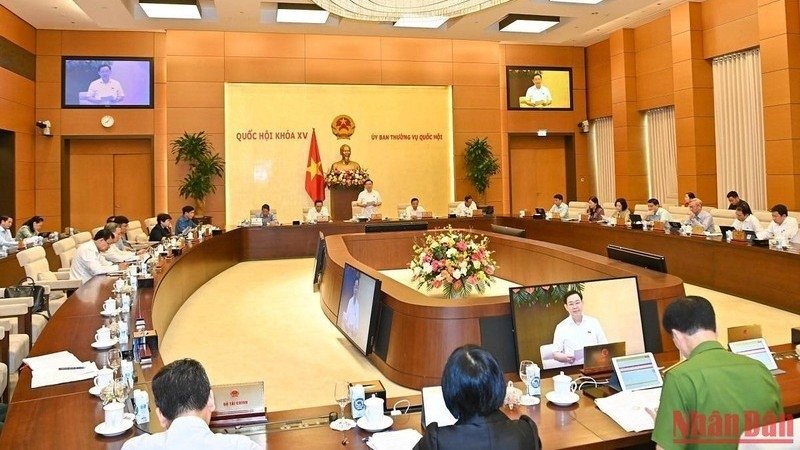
<point x="673" y="224"/>
<point x="724" y="229"/>
<point x="539" y="213"/>
<point x="635" y="373"/>
<point x="758" y="350"/>
<point x="744" y="332"/>
<point x="750" y="235"/>
<point x="597" y="358"/>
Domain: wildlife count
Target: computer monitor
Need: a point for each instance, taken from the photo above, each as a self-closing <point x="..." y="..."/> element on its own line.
<point x="358" y="308"/>
<point x="637" y="258"/>
<point x="544" y="318"/>
<point x="319" y="262"/>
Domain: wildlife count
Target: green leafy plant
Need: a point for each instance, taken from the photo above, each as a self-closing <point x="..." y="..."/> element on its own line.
<point x="481" y="164"/>
<point x="204" y="164"/>
<point x="544" y="295"/>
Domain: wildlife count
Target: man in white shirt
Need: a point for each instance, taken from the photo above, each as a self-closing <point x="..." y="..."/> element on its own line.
<point x="657" y="213"/>
<point x="698" y="217"/>
<point x="745" y="220"/>
<point x="465" y="208"/>
<point x="114" y="254"/>
<point x="184" y="403"/>
<point x="782" y="225"/>
<point x="105" y="90"/>
<point x="318" y="213"/>
<point x="559" y="207"/>
<point x="7" y="241"/>
<point x="414" y="211"/>
<point x="576" y="331"/>
<point x="369" y="199"/>
<point x="537" y="96"/>
<point x="88" y="262"/>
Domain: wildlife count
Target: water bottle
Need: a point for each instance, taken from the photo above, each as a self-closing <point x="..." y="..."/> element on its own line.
<point x="357" y="401"/>
<point x="535" y="380"/>
<point x="142" y="400"/>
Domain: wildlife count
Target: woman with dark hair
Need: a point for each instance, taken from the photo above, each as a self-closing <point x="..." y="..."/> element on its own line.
<point x="30" y="228"/>
<point x="474" y="390"/>
<point x="621" y="210"/>
<point x="595" y="211"/>
<point x="687" y="197"/>
<point x="163" y="228"/>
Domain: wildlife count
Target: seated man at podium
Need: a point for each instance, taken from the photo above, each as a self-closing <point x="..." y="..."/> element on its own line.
<point x="6" y="240"/>
<point x="783" y="226"/>
<point x="184" y="403"/>
<point x="369" y="199"/>
<point x="414" y="211"/>
<point x="88" y="261"/>
<point x="699" y="217"/>
<point x="267" y="216"/>
<point x="318" y="213"/>
<point x="465" y="208"/>
<point x="576" y="331"/>
<point x="185" y="221"/>
<point x="559" y="207"/>
<point x="655" y="213"/>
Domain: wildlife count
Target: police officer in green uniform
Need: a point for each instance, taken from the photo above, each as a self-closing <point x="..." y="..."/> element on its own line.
<point x="714" y="395"/>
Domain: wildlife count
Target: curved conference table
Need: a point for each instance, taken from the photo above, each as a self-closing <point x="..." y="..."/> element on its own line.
<point x="64" y="416"/>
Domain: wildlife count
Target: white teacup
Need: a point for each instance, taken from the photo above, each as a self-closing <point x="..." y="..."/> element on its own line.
<point x="119" y="284"/>
<point x="522" y="213"/>
<point x="563" y="385"/>
<point x="132" y="269"/>
<point x="104" y="377"/>
<point x="374" y="411"/>
<point x="114" y="413"/>
<point x="109" y="305"/>
<point x="103" y="334"/>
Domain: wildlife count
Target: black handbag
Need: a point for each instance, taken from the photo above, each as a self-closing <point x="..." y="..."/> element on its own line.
<point x="30" y="290"/>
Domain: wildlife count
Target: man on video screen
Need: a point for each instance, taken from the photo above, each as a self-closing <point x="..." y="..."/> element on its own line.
<point x="576" y="331"/>
<point x="105" y="90"/>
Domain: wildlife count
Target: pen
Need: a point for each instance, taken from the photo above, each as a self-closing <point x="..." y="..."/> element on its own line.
<point x="71" y="368"/>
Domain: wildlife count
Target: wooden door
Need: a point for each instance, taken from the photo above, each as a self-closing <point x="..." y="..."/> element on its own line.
<point x="538" y="170"/>
<point x="133" y="182"/>
<point x="109" y="177"/>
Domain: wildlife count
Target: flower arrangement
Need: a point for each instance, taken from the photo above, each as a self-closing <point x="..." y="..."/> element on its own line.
<point x="543" y="295"/>
<point x="346" y="178"/>
<point x="453" y="260"/>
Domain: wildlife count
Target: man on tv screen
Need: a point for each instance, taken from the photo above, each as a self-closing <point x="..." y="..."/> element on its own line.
<point x="537" y="96"/>
<point x="576" y="331"/>
<point x="105" y="90"/>
<point x="351" y="315"/>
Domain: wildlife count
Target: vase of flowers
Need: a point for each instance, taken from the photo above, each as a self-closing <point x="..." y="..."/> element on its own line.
<point x="346" y="178"/>
<point x="455" y="261"/>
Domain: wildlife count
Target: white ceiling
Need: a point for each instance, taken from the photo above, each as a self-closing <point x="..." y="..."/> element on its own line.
<point x="580" y="25"/>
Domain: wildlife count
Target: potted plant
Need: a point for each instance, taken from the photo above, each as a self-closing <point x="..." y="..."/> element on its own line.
<point x="481" y="164"/>
<point x="204" y="164"/>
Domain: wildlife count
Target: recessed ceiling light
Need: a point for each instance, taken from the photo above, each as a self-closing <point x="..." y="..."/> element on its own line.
<point x="525" y="23"/>
<point x="420" y="22"/>
<point x="301" y="13"/>
<point x="585" y="2"/>
<point x="171" y="9"/>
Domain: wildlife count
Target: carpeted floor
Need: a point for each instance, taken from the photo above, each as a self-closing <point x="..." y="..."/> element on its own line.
<point x="265" y="323"/>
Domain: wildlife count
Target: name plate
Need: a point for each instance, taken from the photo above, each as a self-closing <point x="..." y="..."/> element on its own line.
<point x="376" y="217"/>
<point x="556" y="216"/>
<point x="477" y="213"/>
<point x="738" y="235"/>
<point x="236" y="404"/>
<point x="658" y="226"/>
<point x="621" y="222"/>
<point x="426" y="215"/>
<point x="698" y="230"/>
<point x="584" y="218"/>
<point x="322" y="219"/>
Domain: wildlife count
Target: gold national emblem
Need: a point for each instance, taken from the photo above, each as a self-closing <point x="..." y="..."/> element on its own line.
<point x="343" y="127"/>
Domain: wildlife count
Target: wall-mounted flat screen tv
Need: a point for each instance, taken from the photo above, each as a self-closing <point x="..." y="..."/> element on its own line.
<point x="554" y="322"/>
<point x="358" y="308"/>
<point x="106" y="82"/>
<point x="539" y="88"/>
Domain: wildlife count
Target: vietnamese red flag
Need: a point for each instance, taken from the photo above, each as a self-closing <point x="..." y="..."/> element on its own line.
<point x="315" y="178"/>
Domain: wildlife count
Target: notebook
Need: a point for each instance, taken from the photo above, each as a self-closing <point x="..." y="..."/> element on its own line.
<point x="636" y="372"/>
<point x="758" y="350"/>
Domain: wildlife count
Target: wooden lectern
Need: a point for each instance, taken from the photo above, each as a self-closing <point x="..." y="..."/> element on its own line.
<point x="342" y="199"/>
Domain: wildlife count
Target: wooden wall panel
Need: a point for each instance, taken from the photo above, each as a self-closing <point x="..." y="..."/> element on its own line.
<point x="343" y="48"/>
<point x="197" y="94"/>
<point x="410" y="49"/>
<point x="728" y="26"/>
<point x="261" y="45"/>
<point x="16" y="88"/>
<point x="480" y="97"/>
<point x="195" y="43"/>
<point x="359" y="71"/>
<point x="195" y="68"/>
<point x="598" y="92"/>
<point x="264" y="70"/>
<point x="476" y="52"/>
<point x="107" y="43"/>
<point x="17" y="30"/>
<point x="417" y="73"/>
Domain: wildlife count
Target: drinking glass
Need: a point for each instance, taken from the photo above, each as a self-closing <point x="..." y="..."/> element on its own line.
<point x="341" y="394"/>
<point x="525" y="375"/>
<point x="114" y="358"/>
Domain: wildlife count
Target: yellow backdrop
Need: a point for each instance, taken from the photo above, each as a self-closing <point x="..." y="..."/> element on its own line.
<point x="403" y="137"/>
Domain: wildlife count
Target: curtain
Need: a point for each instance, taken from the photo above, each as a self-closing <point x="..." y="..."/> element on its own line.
<point x="739" y="128"/>
<point x="662" y="153"/>
<point x="601" y="139"/>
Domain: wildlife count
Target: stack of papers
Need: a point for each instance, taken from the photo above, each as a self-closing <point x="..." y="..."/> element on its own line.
<point x="629" y="408"/>
<point x="394" y="440"/>
<point x="434" y="409"/>
<point x="58" y="368"/>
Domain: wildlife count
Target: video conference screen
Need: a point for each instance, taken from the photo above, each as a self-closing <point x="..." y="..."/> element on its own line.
<point x="358" y="308"/>
<point x="539" y="88"/>
<point x="554" y="322"/>
<point x="107" y="82"/>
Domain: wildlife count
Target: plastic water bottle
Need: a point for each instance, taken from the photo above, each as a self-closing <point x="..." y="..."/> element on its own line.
<point x="357" y="401"/>
<point x="535" y="380"/>
<point x="142" y="401"/>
